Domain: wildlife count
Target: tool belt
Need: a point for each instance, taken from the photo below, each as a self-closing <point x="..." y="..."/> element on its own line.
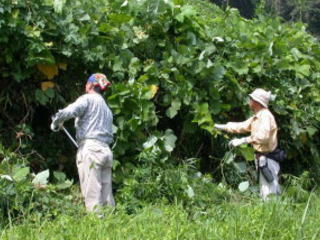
<point x="263" y="168"/>
<point x="277" y="155"/>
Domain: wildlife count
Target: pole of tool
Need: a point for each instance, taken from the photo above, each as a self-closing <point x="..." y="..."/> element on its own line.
<point x="70" y="137"/>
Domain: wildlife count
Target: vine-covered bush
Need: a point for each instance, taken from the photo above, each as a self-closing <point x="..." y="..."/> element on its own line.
<point x="176" y="67"/>
<point x="23" y="193"/>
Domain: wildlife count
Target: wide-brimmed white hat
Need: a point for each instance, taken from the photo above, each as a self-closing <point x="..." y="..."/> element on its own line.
<point x="261" y="96"/>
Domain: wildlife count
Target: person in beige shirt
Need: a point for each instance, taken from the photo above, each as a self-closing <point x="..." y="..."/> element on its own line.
<point x="263" y="137"/>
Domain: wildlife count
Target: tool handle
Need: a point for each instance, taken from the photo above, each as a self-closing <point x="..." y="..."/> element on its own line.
<point x="70" y="137"/>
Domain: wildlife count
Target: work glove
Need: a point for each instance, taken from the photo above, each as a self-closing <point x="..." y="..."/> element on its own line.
<point x="237" y="142"/>
<point x="220" y="126"/>
<point x="55" y="127"/>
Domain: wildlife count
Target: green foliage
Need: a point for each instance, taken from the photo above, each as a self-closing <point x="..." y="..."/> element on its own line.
<point x="23" y="193"/>
<point x="306" y="11"/>
<point x="176" y="67"/>
<point x="298" y="188"/>
<point x="237" y="171"/>
<point x="162" y="181"/>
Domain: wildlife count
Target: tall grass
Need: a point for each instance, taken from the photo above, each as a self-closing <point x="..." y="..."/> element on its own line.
<point x="279" y="219"/>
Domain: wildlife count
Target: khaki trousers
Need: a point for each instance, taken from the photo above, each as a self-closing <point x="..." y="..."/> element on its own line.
<point x="94" y="162"/>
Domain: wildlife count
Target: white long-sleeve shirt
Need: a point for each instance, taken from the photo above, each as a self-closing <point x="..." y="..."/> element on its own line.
<point x="93" y="118"/>
<point x="263" y="129"/>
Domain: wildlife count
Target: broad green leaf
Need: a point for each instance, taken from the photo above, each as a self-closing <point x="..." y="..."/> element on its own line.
<point x="210" y="49"/>
<point x="190" y="192"/>
<point x="64" y="185"/>
<point x="209" y="63"/>
<point x="150" y="142"/>
<point x="117" y="65"/>
<point x="218" y="72"/>
<point x="229" y="157"/>
<point x="134" y="66"/>
<point x="240" y="67"/>
<point x="59" y="176"/>
<point x="257" y="69"/>
<point x="243" y="186"/>
<point x="201" y="56"/>
<point x="296" y="53"/>
<point x="7" y="177"/>
<point x="247" y="152"/>
<point x="311" y="131"/>
<point x="302" y="70"/>
<point x="192" y="38"/>
<point x="169" y="140"/>
<point x="173" y="110"/>
<point x="186" y="11"/>
<point x="241" y="167"/>
<point x="283" y="64"/>
<point x="21" y="174"/>
<point x="41" y="179"/>
<point x="203" y="117"/>
<point x="125" y="3"/>
<point x="85" y="17"/>
<point x="41" y="97"/>
<point x="49" y="93"/>
<point x="58" y="5"/>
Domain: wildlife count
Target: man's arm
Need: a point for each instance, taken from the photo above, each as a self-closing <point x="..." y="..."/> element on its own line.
<point x="239" y="127"/>
<point x="73" y="110"/>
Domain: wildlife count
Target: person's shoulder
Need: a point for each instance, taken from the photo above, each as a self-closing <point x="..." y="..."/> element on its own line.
<point x="83" y="98"/>
<point x="265" y="113"/>
<point x="90" y="96"/>
<point x="94" y="97"/>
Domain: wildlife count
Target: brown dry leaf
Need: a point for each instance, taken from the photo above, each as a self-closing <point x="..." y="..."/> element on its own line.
<point x="46" y="85"/>
<point x="62" y="66"/>
<point x="303" y="138"/>
<point x="49" y="70"/>
<point x="19" y="134"/>
<point x="40" y="186"/>
<point x="63" y="159"/>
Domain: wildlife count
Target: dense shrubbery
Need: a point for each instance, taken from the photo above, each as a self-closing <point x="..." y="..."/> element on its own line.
<point x="176" y="67"/>
<point x="23" y="193"/>
<point x="163" y="181"/>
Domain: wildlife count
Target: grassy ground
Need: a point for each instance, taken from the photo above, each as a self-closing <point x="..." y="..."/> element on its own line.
<point x="252" y="219"/>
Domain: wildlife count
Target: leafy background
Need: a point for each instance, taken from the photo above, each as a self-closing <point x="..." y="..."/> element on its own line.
<point x="177" y="67"/>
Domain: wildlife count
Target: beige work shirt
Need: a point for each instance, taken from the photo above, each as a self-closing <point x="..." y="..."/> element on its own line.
<point x="263" y="128"/>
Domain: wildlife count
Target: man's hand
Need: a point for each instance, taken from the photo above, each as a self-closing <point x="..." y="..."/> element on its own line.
<point x="55" y="127"/>
<point x="220" y="126"/>
<point x="237" y="142"/>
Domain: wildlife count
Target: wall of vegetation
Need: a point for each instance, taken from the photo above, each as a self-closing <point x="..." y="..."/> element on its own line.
<point x="307" y="11"/>
<point x="176" y="67"/>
